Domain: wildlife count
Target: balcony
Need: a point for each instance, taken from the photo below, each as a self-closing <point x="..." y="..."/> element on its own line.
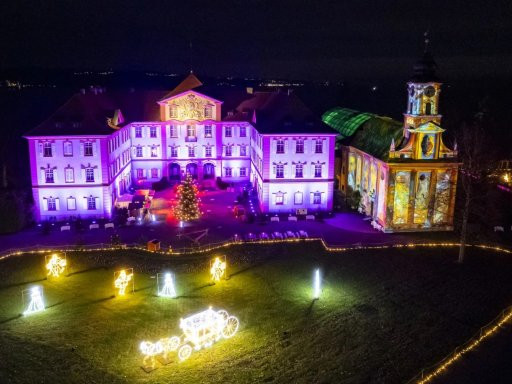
<point x="190" y="139"/>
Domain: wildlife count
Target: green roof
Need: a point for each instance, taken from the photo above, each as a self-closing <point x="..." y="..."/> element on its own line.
<point x="345" y="121"/>
<point x="365" y="131"/>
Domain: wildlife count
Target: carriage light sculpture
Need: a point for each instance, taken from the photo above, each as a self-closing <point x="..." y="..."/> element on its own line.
<point x="36" y="303"/>
<point x="122" y="279"/>
<point x="56" y="265"/>
<point x="217" y="269"/>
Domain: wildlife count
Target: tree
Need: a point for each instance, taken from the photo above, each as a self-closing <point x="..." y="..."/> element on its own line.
<point x="188" y="203"/>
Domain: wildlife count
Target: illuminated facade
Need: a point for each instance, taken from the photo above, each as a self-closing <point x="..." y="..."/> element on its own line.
<point x="411" y="185"/>
<point x="98" y="144"/>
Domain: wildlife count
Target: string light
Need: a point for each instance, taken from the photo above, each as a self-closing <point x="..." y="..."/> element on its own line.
<point x="188" y="203"/>
<point x="122" y="280"/>
<point x="36" y="303"/>
<point x="56" y="265"/>
<point x="217" y="269"/>
<point x="316" y="284"/>
<point x="168" y="288"/>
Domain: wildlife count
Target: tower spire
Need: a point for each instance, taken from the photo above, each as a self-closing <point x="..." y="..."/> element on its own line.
<point x="426" y="40"/>
<point x="190" y="56"/>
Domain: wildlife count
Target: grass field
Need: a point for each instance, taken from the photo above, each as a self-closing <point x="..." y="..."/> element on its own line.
<point x="383" y="314"/>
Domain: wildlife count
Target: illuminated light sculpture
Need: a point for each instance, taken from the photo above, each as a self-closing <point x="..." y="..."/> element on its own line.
<point x="122" y="279"/>
<point x="56" y="265"/>
<point x="36" y="303"/>
<point x="150" y="350"/>
<point x="168" y="289"/>
<point x="218" y="269"/>
<point x="317" y="289"/>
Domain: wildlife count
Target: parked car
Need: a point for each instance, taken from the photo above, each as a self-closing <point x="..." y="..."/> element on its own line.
<point x="239" y="211"/>
<point x="290" y="235"/>
<point x="277" y="235"/>
<point x="264" y="236"/>
<point x="250" y="237"/>
<point x="303" y="234"/>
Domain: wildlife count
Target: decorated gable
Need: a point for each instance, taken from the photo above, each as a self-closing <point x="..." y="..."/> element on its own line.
<point x="190" y="105"/>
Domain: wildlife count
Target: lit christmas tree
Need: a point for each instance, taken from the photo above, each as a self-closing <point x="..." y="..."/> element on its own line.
<point x="188" y="203"/>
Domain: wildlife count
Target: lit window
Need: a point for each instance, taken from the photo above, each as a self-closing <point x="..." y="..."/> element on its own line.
<point x="88" y="149"/>
<point x="299" y="146"/>
<point x="279" y="198"/>
<point x="49" y="176"/>
<point x="279" y="171"/>
<point x="208" y="112"/>
<point x="91" y="203"/>
<point x="208" y="151"/>
<point x="71" y="204"/>
<point x="138" y="132"/>
<point x="152" y="132"/>
<point x="229" y="150"/>
<point x="140" y="173"/>
<point x="227" y="131"/>
<point x="243" y="132"/>
<point x="280" y="146"/>
<point x="298" y="170"/>
<point x="69" y="175"/>
<point x="68" y="148"/>
<point x="191" y="131"/>
<point x="174" y="111"/>
<point x="191" y="151"/>
<point x="228" y="172"/>
<point x="317" y="198"/>
<point x="154" y="173"/>
<point x="154" y="151"/>
<point x="47" y="150"/>
<point x="298" y="198"/>
<point x="174" y="151"/>
<point x="89" y="175"/>
<point x="318" y="170"/>
<point x="243" y="172"/>
<point x="319" y="146"/>
<point x="173" y="131"/>
<point x="207" y="131"/>
<point x="138" y="151"/>
<point x="243" y="150"/>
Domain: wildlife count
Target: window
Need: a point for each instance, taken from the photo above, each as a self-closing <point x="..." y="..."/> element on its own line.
<point x="299" y="170"/>
<point x="140" y="173"/>
<point x="318" y="170"/>
<point x="317" y="198"/>
<point x="229" y="150"/>
<point x="138" y="132"/>
<point x="243" y="150"/>
<point x="152" y="132"/>
<point x="279" y="198"/>
<point x="191" y="151"/>
<point x="243" y="132"/>
<point x="154" y="151"/>
<point x="297" y="198"/>
<point x="207" y="131"/>
<point x="208" y="112"/>
<point x="208" y="151"/>
<point x="299" y="146"/>
<point x="71" y="204"/>
<point x="88" y="149"/>
<point x="138" y="151"/>
<point x="227" y="131"/>
<point x="319" y="146"/>
<point x="154" y="173"/>
<point x="173" y="131"/>
<point x="279" y="171"/>
<point x="173" y="111"/>
<point x="68" y="148"/>
<point x="89" y="175"/>
<point x="428" y="108"/>
<point x="47" y="150"/>
<point x="49" y="176"/>
<point x="69" y="175"/>
<point x="91" y="203"/>
<point x="52" y="204"/>
<point x="174" y="151"/>
<point x="243" y="172"/>
<point x="191" y="131"/>
<point x="228" y="172"/>
<point x="280" y="146"/>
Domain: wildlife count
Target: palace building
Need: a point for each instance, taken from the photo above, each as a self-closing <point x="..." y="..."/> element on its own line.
<point x="99" y="143"/>
<point x="403" y="176"/>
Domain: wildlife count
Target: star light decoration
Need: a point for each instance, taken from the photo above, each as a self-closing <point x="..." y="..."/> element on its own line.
<point x="168" y="289"/>
<point x="122" y="280"/>
<point x="36" y="303"/>
<point x="56" y="265"/>
<point x="188" y="202"/>
<point x="218" y="269"/>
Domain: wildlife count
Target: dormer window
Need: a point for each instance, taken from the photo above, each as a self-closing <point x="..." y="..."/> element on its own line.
<point x="208" y="112"/>
<point x="173" y="111"/>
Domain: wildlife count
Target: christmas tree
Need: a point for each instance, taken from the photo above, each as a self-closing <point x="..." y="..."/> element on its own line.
<point x="188" y="203"/>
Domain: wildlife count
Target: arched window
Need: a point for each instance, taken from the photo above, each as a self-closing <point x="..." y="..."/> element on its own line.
<point x="428" y="108"/>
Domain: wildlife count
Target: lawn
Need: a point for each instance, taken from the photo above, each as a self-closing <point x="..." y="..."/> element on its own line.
<point x="382" y="317"/>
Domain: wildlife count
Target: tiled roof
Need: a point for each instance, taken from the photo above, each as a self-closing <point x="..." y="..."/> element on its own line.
<point x="190" y="82"/>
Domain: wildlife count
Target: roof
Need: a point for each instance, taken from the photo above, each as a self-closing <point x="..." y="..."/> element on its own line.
<point x="278" y="112"/>
<point x="425" y="69"/>
<point x="87" y="113"/>
<point x="190" y="82"/>
<point x="367" y="132"/>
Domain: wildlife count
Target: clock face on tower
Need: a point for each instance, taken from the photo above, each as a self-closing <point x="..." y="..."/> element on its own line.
<point x="430" y="91"/>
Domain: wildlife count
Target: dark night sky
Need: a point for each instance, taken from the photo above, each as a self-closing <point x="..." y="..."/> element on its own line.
<point x="294" y="39"/>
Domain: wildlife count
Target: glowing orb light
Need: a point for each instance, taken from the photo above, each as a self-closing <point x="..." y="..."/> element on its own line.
<point x="316" y="284"/>
<point x="218" y="269"/>
<point x="122" y="280"/>
<point x="168" y="287"/>
<point x="56" y="265"/>
<point x="36" y="303"/>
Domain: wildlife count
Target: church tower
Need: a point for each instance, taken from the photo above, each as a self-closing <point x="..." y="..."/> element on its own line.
<point x="423" y="93"/>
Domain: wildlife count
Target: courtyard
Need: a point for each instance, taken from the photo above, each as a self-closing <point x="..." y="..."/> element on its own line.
<point x="383" y="314"/>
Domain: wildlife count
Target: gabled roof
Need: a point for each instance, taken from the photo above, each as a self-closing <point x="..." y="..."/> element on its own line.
<point x="190" y="82"/>
<point x="345" y="121"/>
<point x="278" y="112"/>
<point x="429" y="126"/>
